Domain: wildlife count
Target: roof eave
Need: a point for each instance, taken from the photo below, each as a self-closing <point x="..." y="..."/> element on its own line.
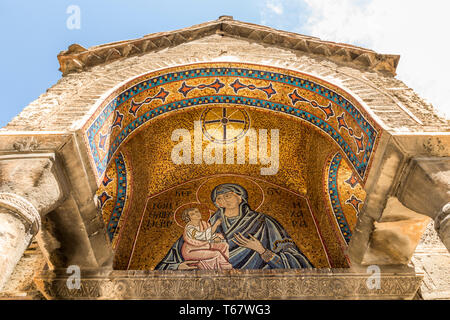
<point x="77" y="58"/>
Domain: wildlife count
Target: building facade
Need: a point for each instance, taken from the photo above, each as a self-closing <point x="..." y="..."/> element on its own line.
<point x="315" y="174"/>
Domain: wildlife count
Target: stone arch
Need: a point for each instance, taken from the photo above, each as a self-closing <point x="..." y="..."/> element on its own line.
<point x="351" y="105"/>
<point x="275" y="90"/>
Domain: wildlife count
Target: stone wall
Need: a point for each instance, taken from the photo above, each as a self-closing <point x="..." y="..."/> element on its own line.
<point x="21" y="285"/>
<point x="432" y="259"/>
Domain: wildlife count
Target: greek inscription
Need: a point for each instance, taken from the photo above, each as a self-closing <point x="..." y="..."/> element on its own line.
<point x="183" y="193"/>
<point x="297" y="216"/>
<point x="161" y="215"/>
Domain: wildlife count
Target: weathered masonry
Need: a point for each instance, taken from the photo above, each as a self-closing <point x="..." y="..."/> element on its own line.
<point x="358" y="206"/>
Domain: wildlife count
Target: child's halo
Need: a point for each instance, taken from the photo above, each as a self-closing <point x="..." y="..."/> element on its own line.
<point x="204" y="210"/>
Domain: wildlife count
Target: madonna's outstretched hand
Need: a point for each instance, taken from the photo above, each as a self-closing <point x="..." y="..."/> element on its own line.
<point x="252" y="243"/>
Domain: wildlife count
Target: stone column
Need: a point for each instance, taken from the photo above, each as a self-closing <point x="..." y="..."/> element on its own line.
<point x="31" y="185"/>
<point x="19" y="222"/>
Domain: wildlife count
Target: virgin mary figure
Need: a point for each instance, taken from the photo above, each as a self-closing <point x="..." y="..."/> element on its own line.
<point x="256" y="240"/>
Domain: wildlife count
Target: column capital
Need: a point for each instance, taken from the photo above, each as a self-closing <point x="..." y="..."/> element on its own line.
<point x="36" y="177"/>
<point x="23" y="209"/>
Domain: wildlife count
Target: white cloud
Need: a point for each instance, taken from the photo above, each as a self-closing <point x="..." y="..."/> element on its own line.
<point x="415" y="29"/>
<point x="275" y="7"/>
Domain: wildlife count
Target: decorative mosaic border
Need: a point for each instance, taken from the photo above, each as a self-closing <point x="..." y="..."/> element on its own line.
<point x="334" y="198"/>
<point x="237" y="100"/>
<point x="369" y="130"/>
<point x="119" y="206"/>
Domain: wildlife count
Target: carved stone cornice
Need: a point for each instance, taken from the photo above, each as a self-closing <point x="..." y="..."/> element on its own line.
<point x="77" y="58"/>
<point x="22" y="142"/>
<point x="233" y="284"/>
<point x="22" y="209"/>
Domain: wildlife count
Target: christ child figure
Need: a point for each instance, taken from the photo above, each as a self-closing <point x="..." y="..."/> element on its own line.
<point x="206" y="249"/>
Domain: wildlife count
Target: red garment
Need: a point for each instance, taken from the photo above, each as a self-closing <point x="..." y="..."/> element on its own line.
<point x="210" y="256"/>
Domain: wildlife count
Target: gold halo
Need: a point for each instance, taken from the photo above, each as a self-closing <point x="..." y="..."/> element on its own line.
<point x="254" y="190"/>
<point x="204" y="210"/>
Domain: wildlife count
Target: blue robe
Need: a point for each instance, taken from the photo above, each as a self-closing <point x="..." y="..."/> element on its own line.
<point x="272" y="235"/>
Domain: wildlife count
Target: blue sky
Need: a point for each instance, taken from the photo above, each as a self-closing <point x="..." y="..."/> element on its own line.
<point x="34" y="32"/>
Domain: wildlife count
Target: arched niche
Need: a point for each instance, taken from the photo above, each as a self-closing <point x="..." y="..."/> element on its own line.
<point x="326" y="144"/>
